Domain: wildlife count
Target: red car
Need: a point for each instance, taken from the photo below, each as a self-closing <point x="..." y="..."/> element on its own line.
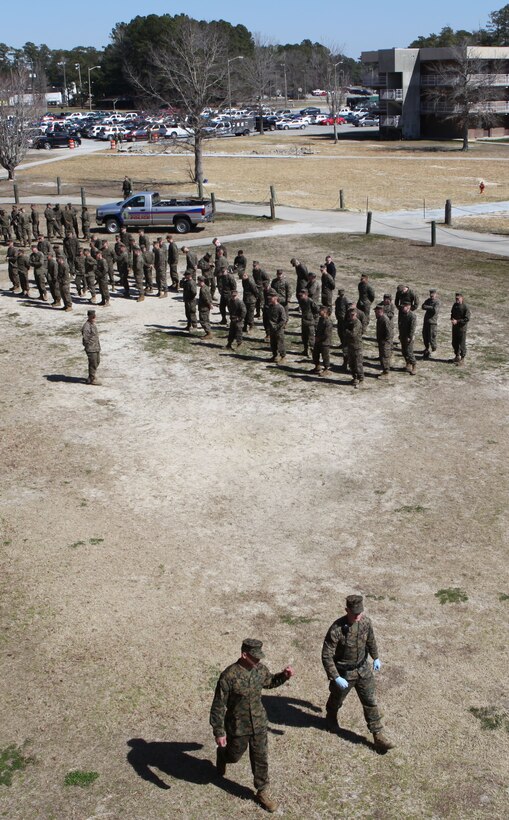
<point x="330" y="121"/>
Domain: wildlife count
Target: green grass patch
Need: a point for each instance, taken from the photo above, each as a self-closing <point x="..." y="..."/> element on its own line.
<point x="451" y="595"/>
<point x="80" y="778"/>
<point x="67" y="330"/>
<point x="409" y="508"/>
<point x="295" y="620"/>
<point x="502" y="596"/>
<point x="77" y="544"/>
<point x="12" y="760"/>
<point x="490" y="718"/>
<point x="95" y="541"/>
<point x="162" y="341"/>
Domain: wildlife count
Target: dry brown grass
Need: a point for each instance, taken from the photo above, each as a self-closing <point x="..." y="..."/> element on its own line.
<point x="483" y="223"/>
<point x="197" y="497"/>
<point x="388" y="176"/>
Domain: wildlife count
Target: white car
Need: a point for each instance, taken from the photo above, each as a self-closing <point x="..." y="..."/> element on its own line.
<point x="172" y="132"/>
<point x="286" y="125"/>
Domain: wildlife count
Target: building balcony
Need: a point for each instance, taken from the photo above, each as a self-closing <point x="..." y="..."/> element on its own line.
<point x="445" y="107"/>
<point x="392" y="94"/>
<point x="390" y="122"/>
<point x="432" y="80"/>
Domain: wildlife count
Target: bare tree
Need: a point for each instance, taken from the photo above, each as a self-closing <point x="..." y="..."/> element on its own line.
<point x="188" y="71"/>
<point x="259" y="71"/>
<point x="18" y="109"/>
<point x="461" y="90"/>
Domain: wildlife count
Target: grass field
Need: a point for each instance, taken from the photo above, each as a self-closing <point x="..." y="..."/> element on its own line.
<point x="306" y="171"/>
<point x="198" y="497"/>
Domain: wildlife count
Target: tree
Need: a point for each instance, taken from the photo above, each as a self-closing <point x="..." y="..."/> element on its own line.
<point x="188" y="71"/>
<point x="462" y="90"/>
<point x="18" y="107"/>
<point x="259" y="73"/>
<point x="498" y="26"/>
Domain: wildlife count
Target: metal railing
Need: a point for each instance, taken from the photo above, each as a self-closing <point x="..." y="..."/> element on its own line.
<point x="390" y="122"/>
<point x="445" y="107"/>
<point x="431" y="80"/>
<point x="392" y="94"/>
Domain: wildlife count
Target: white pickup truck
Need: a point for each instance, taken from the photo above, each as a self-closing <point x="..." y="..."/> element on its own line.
<point x="147" y="209"/>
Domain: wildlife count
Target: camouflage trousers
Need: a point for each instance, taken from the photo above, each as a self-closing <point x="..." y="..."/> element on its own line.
<point x="258" y="755"/>
<point x="355" y="362"/>
<point x="94" y="360"/>
<point x="250" y="312"/>
<point x="174" y="275"/>
<point x="308" y="336"/>
<point x="407" y="349"/>
<point x="277" y="342"/>
<point x="459" y="340"/>
<point x="385" y="355"/>
<point x="235" y="332"/>
<point x="364" y="684"/>
<point x="429" y="336"/>
<point x="319" y="349"/>
<point x="190" y="309"/>
<point x="204" y="316"/>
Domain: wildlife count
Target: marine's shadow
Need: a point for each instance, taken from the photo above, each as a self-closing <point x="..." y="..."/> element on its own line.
<point x="302" y="714"/>
<point x="60" y="377"/>
<point x="173" y="759"/>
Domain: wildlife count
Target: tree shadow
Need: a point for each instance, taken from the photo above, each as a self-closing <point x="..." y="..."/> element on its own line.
<point x="173" y="759"/>
<point x="60" y="377"/>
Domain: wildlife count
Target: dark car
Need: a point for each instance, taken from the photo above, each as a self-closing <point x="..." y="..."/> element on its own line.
<point x="58" y="140"/>
<point x="310" y="111"/>
<point x="269" y="123"/>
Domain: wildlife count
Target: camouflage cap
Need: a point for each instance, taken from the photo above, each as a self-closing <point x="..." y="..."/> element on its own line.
<point x="253" y="647"/>
<point x="401" y="287"/>
<point x="432" y="290"/>
<point x="90" y="312"/>
<point x="354" y="604"/>
<point x="387" y="296"/>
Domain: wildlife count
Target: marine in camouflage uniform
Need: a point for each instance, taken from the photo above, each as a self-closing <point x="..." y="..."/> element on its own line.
<point x="12" y="265"/>
<point x="64" y="282"/>
<point x="283" y="289"/>
<point x="313" y="287"/>
<point x="260" y="276"/>
<point x="366" y="296"/>
<point x="52" y="229"/>
<point x="25" y="223"/>
<point x="90" y="337"/>
<point x="204" y="306"/>
<point x="240" y="263"/>
<point x="237" y="310"/>
<point x="302" y="275"/>
<point x="340" y="309"/>
<point x="71" y="247"/>
<point x="189" y="291"/>
<point x="138" y="273"/>
<point x="90" y="272"/>
<point x="109" y="257"/>
<point x="328" y="285"/>
<point x="460" y="317"/>
<point x="79" y="272"/>
<point x="34" y="217"/>
<point x="276" y="319"/>
<point x="5" y="226"/>
<point x="39" y="264"/>
<point x="406" y="328"/>
<point x="23" y="268"/>
<point x="309" y="311"/>
<point x="160" y="265"/>
<point x="226" y="284"/>
<point x="405" y="294"/>
<point x="148" y="262"/>
<point x="206" y="266"/>
<point x="52" y="275"/>
<point x="353" y="341"/>
<point x="85" y="222"/>
<point x="384" y="340"/>
<point x="101" y="275"/>
<point x="250" y="296"/>
<point x="323" y="341"/>
<point x="173" y="258"/>
<point x="347" y="645"/>
<point x="191" y="261"/>
<point x="238" y="717"/>
<point x="431" y="306"/>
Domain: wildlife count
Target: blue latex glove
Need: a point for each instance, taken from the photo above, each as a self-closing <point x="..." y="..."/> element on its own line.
<point x="341" y="682"/>
<point x="377" y="664"/>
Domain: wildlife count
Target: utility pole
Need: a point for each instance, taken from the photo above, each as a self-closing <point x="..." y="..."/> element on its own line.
<point x="231" y="60"/>
<point x="90" y="87"/>
<point x="64" y="96"/>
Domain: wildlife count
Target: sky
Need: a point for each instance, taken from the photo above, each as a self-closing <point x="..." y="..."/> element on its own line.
<point x="353" y="29"/>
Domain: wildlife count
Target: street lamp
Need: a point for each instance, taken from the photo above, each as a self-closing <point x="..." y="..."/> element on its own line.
<point x="231" y="60"/>
<point x="335" y="100"/>
<point x="90" y="87"/>
<point x="78" y="66"/>
<point x="286" y="84"/>
<point x="62" y="63"/>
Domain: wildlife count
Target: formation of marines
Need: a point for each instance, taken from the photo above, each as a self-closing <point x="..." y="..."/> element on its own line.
<point x="146" y="267"/>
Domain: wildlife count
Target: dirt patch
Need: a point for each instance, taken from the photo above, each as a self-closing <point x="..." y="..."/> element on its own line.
<point x="200" y="496"/>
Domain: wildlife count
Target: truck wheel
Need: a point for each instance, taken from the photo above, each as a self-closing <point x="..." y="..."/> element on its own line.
<point x="112" y="225"/>
<point x="182" y="224"/>
<point x="47" y="146"/>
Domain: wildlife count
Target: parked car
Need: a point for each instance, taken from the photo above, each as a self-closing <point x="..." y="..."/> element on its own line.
<point x="172" y="132"/>
<point x="57" y="140"/>
<point x="269" y="123"/>
<point x="311" y="109"/>
<point x="368" y="120"/>
<point x="293" y="124"/>
<point x="330" y="121"/>
<point x="148" y="209"/>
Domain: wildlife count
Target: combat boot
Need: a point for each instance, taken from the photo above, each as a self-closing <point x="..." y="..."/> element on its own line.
<point x="331" y="721"/>
<point x="408" y="367"/>
<point x="68" y="309"/>
<point x="355" y="383"/>
<point x="413" y="370"/>
<point x="207" y="336"/>
<point x="265" y="800"/>
<point x="93" y="300"/>
<point x="426" y="354"/>
<point x="58" y="303"/>
<point x="220" y="762"/>
<point x="460" y="362"/>
<point x="325" y="372"/>
<point x="384" y="374"/>
<point x="382" y="743"/>
<point x="317" y="370"/>
<point x="140" y="299"/>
